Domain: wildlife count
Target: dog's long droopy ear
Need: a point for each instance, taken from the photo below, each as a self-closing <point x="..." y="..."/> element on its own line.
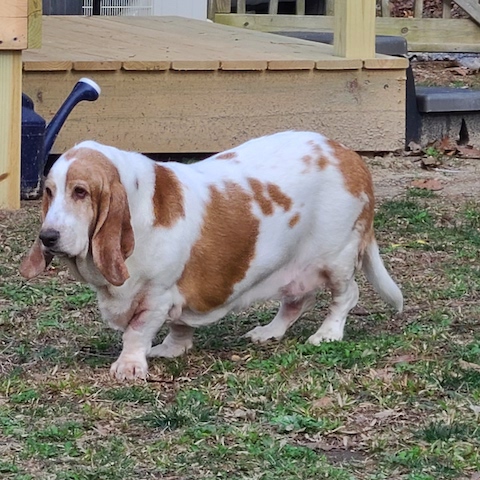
<point x="113" y="239"/>
<point x="36" y="260"/>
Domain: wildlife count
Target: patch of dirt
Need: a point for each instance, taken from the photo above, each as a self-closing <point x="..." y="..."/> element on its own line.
<point x="394" y="174"/>
<point x="445" y="73"/>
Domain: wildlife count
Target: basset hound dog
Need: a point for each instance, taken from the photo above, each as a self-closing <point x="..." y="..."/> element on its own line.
<point x="278" y="217"/>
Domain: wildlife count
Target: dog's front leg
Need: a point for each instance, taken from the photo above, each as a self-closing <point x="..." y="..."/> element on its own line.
<point x="137" y="342"/>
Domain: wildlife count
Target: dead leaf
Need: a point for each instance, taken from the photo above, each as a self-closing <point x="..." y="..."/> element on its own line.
<point x="386" y="413"/>
<point x="468" y="151"/>
<point x="430" y="162"/>
<point x="463" y="71"/>
<point x="322" y="403"/>
<point x="427" y="184"/>
<point x="383" y="374"/>
<point x="447" y="145"/>
<point x="469" y="366"/>
<point x="405" y="358"/>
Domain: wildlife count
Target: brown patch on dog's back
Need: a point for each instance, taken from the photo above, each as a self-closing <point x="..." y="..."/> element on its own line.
<point x="294" y="220"/>
<point x="221" y="256"/>
<point x="320" y="159"/>
<point x="355" y="173"/>
<point x="167" y="198"/>
<point x="279" y="197"/>
<point x="265" y="203"/>
<point x="225" y="156"/>
<point x="358" y="182"/>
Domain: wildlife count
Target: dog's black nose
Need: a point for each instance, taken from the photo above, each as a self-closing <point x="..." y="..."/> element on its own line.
<point x="49" y="237"/>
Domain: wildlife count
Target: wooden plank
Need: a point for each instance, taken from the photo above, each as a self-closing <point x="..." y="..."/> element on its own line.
<point x="13" y="24"/>
<point x="382" y="62"/>
<point x="418" y="9"/>
<point x="447" y="9"/>
<point x="333" y="64"/>
<point x="201" y="65"/>
<point x="364" y="109"/>
<point x="98" y="65"/>
<point x="330" y="7"/>
<point x="146" y="65"/>
<point x="300" y="7"/>
<point x="422" y="34"/>
<point x="386" y="8"/>
<point x="10" y="128"/>
<point x="34" y="24"/>
<point x="291" y="65"/>
<point x="240" y="65"/>
<point x="273" y="7"/>
<point x="354" y="33"/>
<point x="433" y="34"/>
<point x="47" y="65"/>
<point x="241" y="6"/>
<point x="152" y="43"/>
<point x="472" y="7"/>
<point x="13" y="33"/>
<point x="223" y="6"/>
<point x="14" y="8"/>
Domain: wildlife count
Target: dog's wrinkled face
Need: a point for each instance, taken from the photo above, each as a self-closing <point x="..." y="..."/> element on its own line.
<point x="85" y="210"/>
<point x="69" y="210"/>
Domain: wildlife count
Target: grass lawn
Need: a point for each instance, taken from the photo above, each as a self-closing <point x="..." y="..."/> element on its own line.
<point x="398" y="399"/>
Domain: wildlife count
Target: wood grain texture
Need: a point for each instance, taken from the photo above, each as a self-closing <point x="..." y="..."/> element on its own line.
<point x="34" y="24"/>
<point x="354" y="32"/>
<point x="422" y="34"/>
<point x="210" y="111"/>
<point x="10" y="128"/>
<point x="180" y="85"/>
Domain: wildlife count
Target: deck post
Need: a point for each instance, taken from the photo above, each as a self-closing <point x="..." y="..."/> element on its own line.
<point x="354" y="32"/>
<point x="17" y="19"/>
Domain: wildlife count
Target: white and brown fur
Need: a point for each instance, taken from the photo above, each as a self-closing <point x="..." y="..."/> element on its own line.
<point x="278" y="217"/>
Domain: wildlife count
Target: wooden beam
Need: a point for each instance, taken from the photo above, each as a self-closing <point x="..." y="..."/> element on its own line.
<point x="13" y="39"/>
<point x="386" y="8"/>
<point x="329" y="7"/>
<point x="472" y="7"/>
<point x="10" y="127"/>
<point x="223" y="6"/>
<point x="13" y="24"/>
<point x="422" y="34"/>
<point x="273" y="7"/>
<point x="241" y="6"/>
<point x="34" y="24"/>
<point x="300" y="7"/>
<point x="418" y="10"/>
<point x="354" y="32"/>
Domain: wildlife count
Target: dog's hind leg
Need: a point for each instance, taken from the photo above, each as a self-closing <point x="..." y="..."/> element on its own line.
<point x="290" y="311"/>
<point x="178" y="341"/>
<point x="344" y="298"/>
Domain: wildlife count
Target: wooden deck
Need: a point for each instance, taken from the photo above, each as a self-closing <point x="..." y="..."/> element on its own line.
<point x="171" y="84"/>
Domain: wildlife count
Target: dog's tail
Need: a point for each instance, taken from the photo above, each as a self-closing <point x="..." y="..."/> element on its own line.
<point x="377" y="275"/>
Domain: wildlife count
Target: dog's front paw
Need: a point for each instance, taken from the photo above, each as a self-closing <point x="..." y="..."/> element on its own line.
<point x="129" y="368"/>
<point x="263" y="334"/>
<point x="325" y="335"/>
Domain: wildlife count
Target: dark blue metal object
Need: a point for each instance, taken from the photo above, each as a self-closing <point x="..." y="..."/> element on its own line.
<point x="38" y="139"/>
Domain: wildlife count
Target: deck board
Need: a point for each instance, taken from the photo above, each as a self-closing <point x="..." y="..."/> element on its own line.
<point x="172" y="84"/>
<point x="156" y="40"/>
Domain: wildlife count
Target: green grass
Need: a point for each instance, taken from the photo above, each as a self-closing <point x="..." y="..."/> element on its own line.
<point x="399" y="398"/>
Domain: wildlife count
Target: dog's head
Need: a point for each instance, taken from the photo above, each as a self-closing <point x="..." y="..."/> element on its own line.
<point x="84" y="211"/>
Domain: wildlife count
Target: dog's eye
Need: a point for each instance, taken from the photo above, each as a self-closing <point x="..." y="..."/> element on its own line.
<point x="80" y="192"/>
